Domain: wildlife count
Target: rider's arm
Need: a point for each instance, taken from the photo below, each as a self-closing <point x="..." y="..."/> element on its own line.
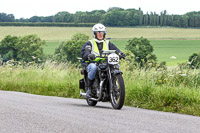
<point x="84" y="53"/>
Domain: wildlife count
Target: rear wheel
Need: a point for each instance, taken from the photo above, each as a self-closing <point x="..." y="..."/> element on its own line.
<point x="118" y="92"/>
<point x="90" y="102"/>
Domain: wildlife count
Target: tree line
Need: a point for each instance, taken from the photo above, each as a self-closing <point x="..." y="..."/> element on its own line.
<point x="115" y="16"/>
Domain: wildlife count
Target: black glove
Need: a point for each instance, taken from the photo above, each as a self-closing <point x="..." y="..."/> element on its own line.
<point x="91" y="56"/>
<point x="123" y="55"/>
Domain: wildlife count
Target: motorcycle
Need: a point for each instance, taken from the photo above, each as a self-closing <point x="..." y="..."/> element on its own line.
<point x="108" y="85"/>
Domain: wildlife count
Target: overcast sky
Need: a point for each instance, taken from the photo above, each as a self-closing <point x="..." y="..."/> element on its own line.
<point x="29" y="8"/>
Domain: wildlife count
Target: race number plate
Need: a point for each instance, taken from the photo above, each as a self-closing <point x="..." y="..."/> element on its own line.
<point x="113" y="59"/>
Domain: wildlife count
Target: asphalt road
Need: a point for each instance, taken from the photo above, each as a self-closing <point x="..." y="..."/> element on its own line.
<point x="27" y="113"/>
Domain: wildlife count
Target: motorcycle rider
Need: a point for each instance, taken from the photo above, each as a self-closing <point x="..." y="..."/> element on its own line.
<point x="95" y="45"/>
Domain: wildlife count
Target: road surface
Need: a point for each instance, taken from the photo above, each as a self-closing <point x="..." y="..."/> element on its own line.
<point x="27" y="113"/>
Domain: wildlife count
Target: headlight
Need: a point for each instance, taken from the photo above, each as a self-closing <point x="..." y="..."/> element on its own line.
<point x="116" y="66"/>
<point x="103" y="66"/>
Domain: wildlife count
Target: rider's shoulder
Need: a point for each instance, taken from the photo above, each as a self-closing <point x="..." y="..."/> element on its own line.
<point x="87" y="43"/>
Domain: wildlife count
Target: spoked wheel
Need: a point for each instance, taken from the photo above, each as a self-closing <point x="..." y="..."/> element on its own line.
<point x="118" y="92"/>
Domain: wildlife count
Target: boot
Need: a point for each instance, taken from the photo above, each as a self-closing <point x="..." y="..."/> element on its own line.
<point x="89" y="91"/>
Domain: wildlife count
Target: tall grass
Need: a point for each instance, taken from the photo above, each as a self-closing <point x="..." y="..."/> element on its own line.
<point x="49" y="79"/>
<point x="173" y="90"/>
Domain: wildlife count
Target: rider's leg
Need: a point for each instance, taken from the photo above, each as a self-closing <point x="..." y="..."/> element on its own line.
<point x="91" y="69"/>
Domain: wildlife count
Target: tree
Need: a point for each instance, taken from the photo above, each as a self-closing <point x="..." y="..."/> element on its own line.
<point x="140" y="17"/>
<point x="8" y="48"/>
<point x="118" y="17"/>
<point x="29" y="48"/>
<point x="63" y="17"/>
<point x="26" y="49"/>
<point x="70" y="50"/>
<point x="6" y="18"/>
<point x="143" y="51"/>
<point x="35" y="19"/>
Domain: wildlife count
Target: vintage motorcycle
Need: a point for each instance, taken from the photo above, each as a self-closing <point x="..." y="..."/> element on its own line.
<point x="108" y="85"/>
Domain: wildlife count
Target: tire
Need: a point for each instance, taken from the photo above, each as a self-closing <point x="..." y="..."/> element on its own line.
<point x="117" y="96"/>
<point x="90" y="102"/>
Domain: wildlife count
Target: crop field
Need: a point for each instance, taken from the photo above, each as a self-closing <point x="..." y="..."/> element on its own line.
<point x="166" y="49"/>
<point x="167" y="42"/>
<point x="65" y="33"/>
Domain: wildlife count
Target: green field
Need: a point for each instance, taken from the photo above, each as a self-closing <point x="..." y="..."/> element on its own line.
<point x="167" y="42"/>
<point x="65" y="33"/>
<point x="163" y="49"/>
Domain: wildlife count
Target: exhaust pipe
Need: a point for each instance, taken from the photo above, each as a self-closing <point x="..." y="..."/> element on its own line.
<point x="93" y="99"/>
<point x="83" y="94"/>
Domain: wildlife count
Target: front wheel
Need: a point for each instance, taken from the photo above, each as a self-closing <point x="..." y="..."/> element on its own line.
<point x="117" y="94"/>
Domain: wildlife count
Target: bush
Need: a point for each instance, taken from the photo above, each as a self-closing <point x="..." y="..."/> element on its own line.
<point x="8" y="48"/>
<point x="70" y="50"/>
<point x="25" y="49"/>
<point x="194" y="61"/>
<point x="142" y="50"/>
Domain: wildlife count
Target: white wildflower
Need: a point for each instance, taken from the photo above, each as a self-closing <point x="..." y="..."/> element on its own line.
<point x="182" y="74"/>
<point x="33" y="57"/>
<point x="10" y="65"/>
<point x="173" y="57"/>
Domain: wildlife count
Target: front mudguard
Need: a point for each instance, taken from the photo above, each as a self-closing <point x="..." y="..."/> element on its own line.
<point x="116" y="72"/>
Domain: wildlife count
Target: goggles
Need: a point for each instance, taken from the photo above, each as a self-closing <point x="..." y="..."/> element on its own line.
<point x="100" y="32"/>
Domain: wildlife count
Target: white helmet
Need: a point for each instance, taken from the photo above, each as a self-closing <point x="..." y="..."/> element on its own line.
<point x="98" y="28"/>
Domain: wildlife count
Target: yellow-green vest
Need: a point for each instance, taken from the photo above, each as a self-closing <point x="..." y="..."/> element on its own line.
<point x="95" y="49"/>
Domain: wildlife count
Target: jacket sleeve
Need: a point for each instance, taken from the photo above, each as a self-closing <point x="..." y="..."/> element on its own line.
<point x="113" y="47"/>
<point x="84" y="53"/>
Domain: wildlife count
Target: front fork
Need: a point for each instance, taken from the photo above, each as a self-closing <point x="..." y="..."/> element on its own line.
<point x="115" y="72"/>
<point x="110" y="81"/>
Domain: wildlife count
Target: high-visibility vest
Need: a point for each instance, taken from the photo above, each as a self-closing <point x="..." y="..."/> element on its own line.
<point x="95" y="49"/>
